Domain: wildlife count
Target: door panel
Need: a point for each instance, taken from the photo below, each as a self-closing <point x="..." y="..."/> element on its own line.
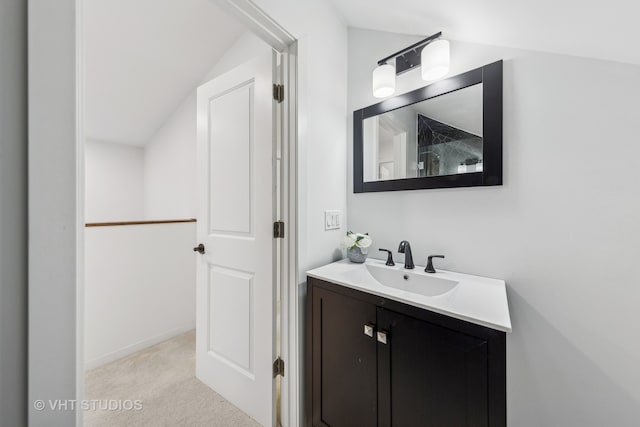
<point x="344" y="361"/>
<point x="434" y="376"/>
<point x="235" y="328"/>
<point x="235" y="348"/>
<point x="231" y="139"/>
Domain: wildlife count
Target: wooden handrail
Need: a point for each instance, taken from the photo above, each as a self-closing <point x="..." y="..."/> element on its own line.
<point x="119" y="223"/>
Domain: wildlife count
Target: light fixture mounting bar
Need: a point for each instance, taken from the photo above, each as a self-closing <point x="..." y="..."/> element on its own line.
<point x="409" y="57"/>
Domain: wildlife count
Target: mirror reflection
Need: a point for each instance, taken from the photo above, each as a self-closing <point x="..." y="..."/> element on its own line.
<point x="435" y="137"/>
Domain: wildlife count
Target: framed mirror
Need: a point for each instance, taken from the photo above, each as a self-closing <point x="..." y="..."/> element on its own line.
<point x="447" y="134"/>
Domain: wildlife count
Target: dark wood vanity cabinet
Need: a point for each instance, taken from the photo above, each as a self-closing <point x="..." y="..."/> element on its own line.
<point x="411" y="367"/>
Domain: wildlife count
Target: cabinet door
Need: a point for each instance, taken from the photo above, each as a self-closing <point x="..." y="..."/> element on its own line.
<point x="344" y="363"/>
<point x="430" y="375"/>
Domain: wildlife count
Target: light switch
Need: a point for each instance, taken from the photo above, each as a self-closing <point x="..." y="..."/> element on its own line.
<point x="331" y="220"/>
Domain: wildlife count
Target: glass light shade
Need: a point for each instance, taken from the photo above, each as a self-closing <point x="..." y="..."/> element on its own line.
<point x="435" y="59"/>
<point x="384" y="80"/>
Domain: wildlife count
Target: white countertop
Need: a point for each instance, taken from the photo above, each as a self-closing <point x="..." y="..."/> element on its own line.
<point x="474" y="299"/>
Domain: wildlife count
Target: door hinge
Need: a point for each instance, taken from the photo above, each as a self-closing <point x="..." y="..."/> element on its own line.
<point x="278" y="230"/>
<point x="278" y="92"/>
<point x="278" y="367"/>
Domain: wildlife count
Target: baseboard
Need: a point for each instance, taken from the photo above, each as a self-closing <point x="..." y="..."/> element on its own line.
<point x="130" y="349"/>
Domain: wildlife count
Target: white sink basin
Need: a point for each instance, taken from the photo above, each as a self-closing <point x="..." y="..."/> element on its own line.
<point x="475" y="299"/>
<point x="416" y="281"/>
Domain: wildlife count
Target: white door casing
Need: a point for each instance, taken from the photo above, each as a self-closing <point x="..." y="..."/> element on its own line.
<point x="235" y="316"/>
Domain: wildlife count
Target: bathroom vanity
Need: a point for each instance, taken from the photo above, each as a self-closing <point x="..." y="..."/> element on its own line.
<point x="386" y="346"/>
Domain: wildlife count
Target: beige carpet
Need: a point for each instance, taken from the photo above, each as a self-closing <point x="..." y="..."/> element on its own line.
<point x="163" y="378"/>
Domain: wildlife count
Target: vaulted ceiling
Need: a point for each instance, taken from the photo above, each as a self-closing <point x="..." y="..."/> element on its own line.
<point x="143" y="57"/>
<point x="597" y="29"/>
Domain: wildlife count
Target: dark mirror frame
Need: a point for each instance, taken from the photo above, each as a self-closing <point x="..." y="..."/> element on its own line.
<point x="491" y="78"/>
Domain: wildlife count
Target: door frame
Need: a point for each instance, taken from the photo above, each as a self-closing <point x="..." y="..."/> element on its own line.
<point x="263" y="26"/>
<point x="56" y="206"/>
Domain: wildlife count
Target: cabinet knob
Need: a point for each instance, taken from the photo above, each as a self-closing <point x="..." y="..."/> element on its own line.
<point x="368" y="329"/>
<point x="382" y="337"/>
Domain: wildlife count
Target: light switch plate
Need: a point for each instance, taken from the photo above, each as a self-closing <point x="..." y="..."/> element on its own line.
<point x="331" y="220"/>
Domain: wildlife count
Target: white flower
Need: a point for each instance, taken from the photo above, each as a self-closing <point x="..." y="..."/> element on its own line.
<point x="349" y="240"/>
<point x="363" y="241"/>
<point x="357" y="240"/>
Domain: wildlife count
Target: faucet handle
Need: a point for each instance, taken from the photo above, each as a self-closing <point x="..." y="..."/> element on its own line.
<point x="429" y="268"/>
<point x="389" y="257"/>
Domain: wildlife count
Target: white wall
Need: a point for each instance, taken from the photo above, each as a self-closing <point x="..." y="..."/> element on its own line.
<point x="170" y="155"/>
<point x="322" y="87"/>
<point x="170" y="166"/>
<point x="13" y="213"/>
<point x="140" y="287"/>
<point x="114" y="182"/>
<point x="563" y="230"/>
<point x="246" y="48"/>
<point x="53" y="210"/>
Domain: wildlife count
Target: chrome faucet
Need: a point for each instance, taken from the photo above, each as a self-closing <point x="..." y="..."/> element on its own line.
<point x="405" y="248"/>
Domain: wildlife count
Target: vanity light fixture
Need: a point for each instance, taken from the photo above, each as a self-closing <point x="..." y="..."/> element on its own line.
<point x="432" y="53"/>
<point x="435" y="60"/>
<point x="384" y="80"/>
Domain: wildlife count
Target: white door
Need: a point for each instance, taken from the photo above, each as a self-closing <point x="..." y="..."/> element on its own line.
<point x="235" y="339"/>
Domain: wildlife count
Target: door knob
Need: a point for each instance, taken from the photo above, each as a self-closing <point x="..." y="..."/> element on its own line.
<point x="382" y="337"/>
<point x="199" y="248"/>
